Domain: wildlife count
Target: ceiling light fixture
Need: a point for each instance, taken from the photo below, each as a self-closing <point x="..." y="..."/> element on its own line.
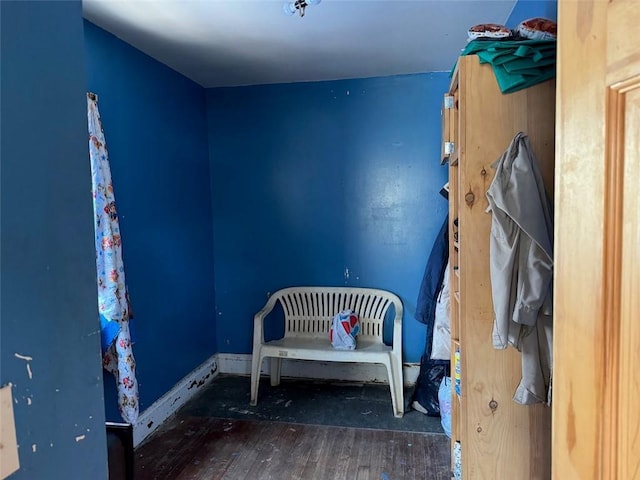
<point x="299" y="6"/>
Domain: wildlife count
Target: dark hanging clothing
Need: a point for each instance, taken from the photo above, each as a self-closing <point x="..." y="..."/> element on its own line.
<point x="431" y="371"/>
<point x="433" y="275"/>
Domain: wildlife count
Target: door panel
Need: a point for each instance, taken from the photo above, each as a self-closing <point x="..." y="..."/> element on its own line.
<point x="596" y="393"/>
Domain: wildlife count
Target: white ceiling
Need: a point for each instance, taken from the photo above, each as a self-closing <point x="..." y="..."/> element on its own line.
<point x="249" y="42"/>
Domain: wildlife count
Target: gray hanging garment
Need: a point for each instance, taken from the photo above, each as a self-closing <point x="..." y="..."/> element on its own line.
<point x="521" y="266"/>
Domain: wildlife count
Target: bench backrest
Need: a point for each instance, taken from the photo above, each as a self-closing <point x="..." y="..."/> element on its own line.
<point x="308" y="311"/>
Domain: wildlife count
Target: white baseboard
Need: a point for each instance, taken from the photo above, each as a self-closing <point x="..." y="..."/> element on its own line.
<point x="240" y="364"/>
<point x="170" y="402"/>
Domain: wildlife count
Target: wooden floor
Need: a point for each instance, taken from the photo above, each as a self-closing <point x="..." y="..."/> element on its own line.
<point x="200" y="448"/>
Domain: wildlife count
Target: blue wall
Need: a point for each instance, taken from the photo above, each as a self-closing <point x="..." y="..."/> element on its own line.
<point x="155" y="125"/>
<point x="49" y="310"/>
<point x="312" y="180"/>
<point x="525" y="9"/>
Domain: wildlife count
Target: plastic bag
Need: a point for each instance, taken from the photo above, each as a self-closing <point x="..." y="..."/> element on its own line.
<point x="488" y="30"/>
<point x="444" y="399"/>
<point x="441" y="344"/>
<point x="345" y="327"/>
<point x="425" y="396"/>
<point x="538" y="29"/>
<point x="457" y="461"/>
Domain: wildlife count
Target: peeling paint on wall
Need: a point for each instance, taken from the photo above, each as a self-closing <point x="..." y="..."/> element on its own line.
<point x="27" y="359"/>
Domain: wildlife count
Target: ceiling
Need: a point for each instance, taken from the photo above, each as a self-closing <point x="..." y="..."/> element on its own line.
<point x="250" y="42"/>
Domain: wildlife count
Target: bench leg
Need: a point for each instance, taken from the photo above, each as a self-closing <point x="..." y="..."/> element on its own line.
<point x="256" y="362"/>
<point x="399" y="385"/>
<point x="394" y="372"/>
<point x="276" y="368"/>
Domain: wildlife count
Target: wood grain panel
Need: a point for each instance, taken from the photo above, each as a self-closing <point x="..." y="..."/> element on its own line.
<point x="622" y="40"/>
<point x="596" y="431"/>
<point x="454" y="263"/>
<point x="488" y="122"/>
<point x="579" y="356"/>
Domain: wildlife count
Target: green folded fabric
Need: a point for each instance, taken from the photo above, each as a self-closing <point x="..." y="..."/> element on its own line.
<point x="510" y="83"/>
<point x="522" y="65"/>
<point x="517" y="64"/>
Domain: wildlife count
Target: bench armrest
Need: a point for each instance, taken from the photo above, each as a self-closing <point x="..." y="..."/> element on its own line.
<point x="258" y="321"/>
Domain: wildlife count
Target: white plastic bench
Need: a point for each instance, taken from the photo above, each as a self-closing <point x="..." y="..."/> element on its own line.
<point x="308" y="312"/>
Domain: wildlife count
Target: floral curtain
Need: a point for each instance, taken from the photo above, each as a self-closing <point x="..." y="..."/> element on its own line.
<point x="113" y="299"/>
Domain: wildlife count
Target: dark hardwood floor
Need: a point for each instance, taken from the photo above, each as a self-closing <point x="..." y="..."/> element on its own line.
<point x="207" y="447"/>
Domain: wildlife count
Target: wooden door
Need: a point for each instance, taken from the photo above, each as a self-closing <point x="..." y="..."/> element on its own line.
<point x="596" y="386"/>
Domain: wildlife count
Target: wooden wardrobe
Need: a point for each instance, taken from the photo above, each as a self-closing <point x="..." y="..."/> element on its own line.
<point x="499" y="439"/>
